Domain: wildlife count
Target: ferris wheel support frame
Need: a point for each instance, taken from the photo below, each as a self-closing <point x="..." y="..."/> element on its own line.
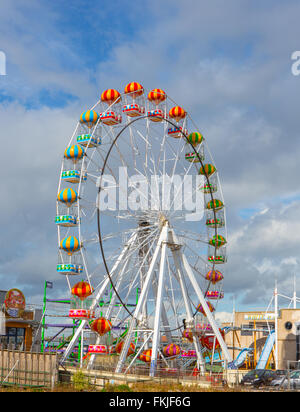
<point x="203" y="302"/>
<point x="107" y="315"/>
<point x="187" y="304"/>
<point x="139" y="351"/>
<point x="159" y="296"/>
<point x="163" y="312"/>
<point x="168" y="238"/>
<point x="97" y="298"/>
<point x="143" y="295"/>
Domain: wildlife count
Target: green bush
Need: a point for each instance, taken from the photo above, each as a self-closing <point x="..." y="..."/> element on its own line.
<point x="80" y="381"/>
<point x="116" y="388"/>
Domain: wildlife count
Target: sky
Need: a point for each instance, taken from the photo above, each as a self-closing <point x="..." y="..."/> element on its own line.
<point x="228" y="63"/>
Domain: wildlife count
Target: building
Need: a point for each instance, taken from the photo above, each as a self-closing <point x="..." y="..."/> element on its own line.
<point x="256" y="331"/>
<point x="20" y="323"/>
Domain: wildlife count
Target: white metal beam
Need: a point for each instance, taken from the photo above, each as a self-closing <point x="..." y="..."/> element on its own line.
<point x="203" y="302"/>
<point x="187" y="304"/>
<point x="137" y="316"/>
<point x="159" y="297"/>
<point x="98" y="297"/>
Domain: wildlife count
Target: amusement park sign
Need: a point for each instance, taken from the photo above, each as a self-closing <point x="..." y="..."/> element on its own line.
<point x="155" y="193"/>
<point x="14" y="303"/>
<point x="264" y="316"/>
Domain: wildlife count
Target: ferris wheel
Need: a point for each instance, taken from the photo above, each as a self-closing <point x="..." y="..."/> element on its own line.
<point x="141" y="221"/>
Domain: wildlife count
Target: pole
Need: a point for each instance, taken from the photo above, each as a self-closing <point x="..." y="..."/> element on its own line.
<point x="98" y="297"/>
<point x="44" y="319"/>
<point x="137" y="316"/>
<point x="81" y="349"/>
<point x="276" y="324"/>
<point x="255" y="357"/>
<point x="295" y="294"/>
<point x="159" y="297"/>
<point x="190" y="320"/>
<point x="233" y="325"/>
<point x="203" y="302"/>
<point x="136" y="302"/>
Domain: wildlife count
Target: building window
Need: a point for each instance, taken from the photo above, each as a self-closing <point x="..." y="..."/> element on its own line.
<point x="245" y="330"/>
<point x="298" y="342"/>
<point x="14" y="337"/>
<point x="260" y="327"/>
<point x="264" y="327"/>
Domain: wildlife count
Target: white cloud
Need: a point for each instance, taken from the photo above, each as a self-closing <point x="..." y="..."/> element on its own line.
<point x="223" y="317"/>
<point x="262" y="251"/>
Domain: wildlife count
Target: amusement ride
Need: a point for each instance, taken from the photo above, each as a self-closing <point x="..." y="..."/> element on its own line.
<point x="142" y="235"/>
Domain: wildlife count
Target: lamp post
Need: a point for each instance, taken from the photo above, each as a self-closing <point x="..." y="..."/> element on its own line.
<point x="276" y="324"/>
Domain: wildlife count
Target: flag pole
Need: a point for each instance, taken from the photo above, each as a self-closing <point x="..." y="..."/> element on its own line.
<point x="44" y="318"/>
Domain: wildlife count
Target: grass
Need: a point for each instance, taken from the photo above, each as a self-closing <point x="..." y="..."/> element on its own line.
<point x="80" y="382"/>
<point x="83" y="386"/>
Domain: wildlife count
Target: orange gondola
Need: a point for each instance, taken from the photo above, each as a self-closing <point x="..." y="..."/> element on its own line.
<point x="101" y="326"/>
<point x="171" y="350"/>
<point x="201" y="309"/>
<point x="109" y="96"/>
<point x="157" y="96"/>
<point x="134" y="89"/>
<point x="214" y="276"/>
<point x="120" y="345"/>
<point x="146" y="355"/>
<point x="82" y="290"/>
<point x="177" y="113"/>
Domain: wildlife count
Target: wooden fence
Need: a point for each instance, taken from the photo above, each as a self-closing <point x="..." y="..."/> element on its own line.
<point x="28" y="369"/>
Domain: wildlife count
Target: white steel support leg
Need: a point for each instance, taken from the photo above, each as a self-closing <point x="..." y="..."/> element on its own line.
<point x="98" y="297"/>
<point x="139" y="351"/>
<point x="118" y="286"/>
<point x="206" y="309"/>
<point x="74" y="340"/>
<point x="81" y="349"/>
<point x="109" y="309"/>
<point x="164" y="317"/>
<point x="188" y="309"/>
<point x="159" y="297"/>
<point x="119" y="261"/>
<point x="137" y="316"/>
<point x="276" y="324"/>
<point x="144" y="309"/>
<point x="202" y="300"/>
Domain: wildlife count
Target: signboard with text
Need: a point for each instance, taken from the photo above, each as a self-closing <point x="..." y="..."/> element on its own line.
<point x="261" y="316"/>
<point x="14" y="303"/>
